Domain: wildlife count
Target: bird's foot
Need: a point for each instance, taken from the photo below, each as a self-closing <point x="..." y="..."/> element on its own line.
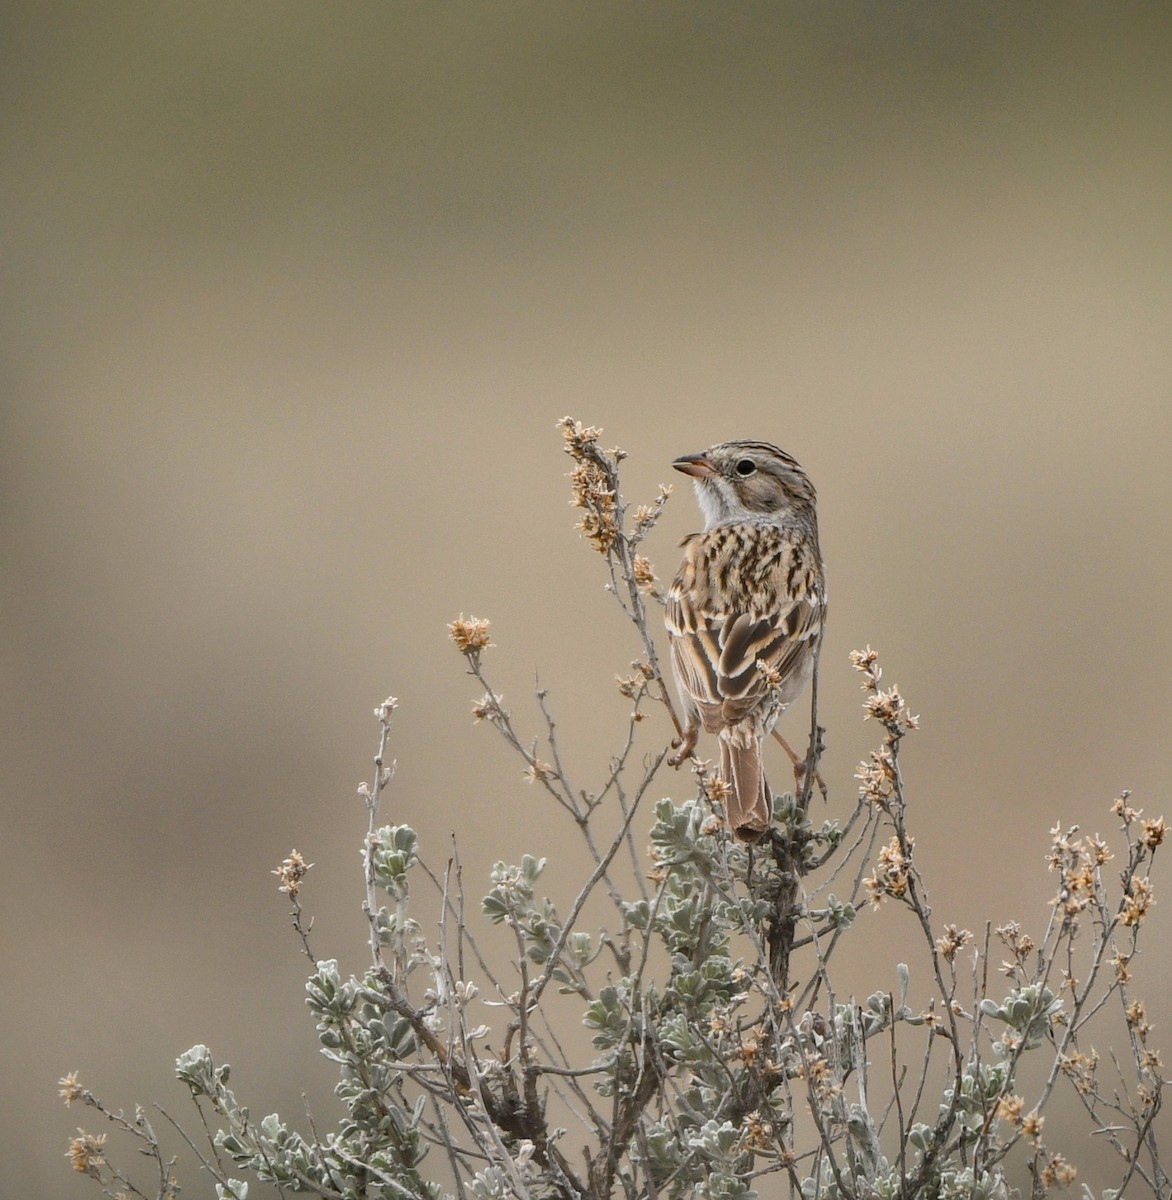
<point x="684" y="745"/>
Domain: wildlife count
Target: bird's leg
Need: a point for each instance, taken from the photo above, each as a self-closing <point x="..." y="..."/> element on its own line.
<point x="800" y="767"/>
<point x="684" y="745"/>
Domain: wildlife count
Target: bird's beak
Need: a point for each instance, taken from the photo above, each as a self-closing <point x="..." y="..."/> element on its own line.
<point x="695" y="465"/>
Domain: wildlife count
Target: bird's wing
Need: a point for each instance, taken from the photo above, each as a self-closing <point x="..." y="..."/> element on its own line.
<point x="726" y="655"/>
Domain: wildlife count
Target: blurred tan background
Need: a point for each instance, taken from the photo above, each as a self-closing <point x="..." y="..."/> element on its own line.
<point x="294" y="294"/>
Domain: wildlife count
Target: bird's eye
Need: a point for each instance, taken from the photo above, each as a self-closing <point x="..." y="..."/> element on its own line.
<point x="745" y="467"/>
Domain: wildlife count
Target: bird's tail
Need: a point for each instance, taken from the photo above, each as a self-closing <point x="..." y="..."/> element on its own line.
<point x="747" y="803"/>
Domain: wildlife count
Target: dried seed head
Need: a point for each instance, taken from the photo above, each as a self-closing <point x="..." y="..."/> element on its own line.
<point x="86" y="1152"/>
<point x="877" y="777"/>
<point x="1121" y="808"/>
<point x="470" y="634"/>
<point x="1154" y="832"/>
<point x="953" y="941"/>
<point x="538" y="770"/>
<point x="644" y="572"/>
<point x="891" y="873"/>
<point x="1009" y="1108"/>
<point x="1058" y="1171"/>
<point x="291" y="872"/>
<point x="578" y="435"/>
<point x="1136" y="901"/>
<point x="488" y="708"/>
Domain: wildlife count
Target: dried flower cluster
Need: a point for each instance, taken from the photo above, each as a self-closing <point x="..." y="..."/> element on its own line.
<point x="538" y="770"/>
<point x="647" y="514"/>
<point x="1019" y="944"/>
<point x="1057" y="1172"/>
<point x="1121" y="808"/>
<point x="291" y="873"/>
<point x="69" y="1089"/>
<point x="635" y="685"/>
<point x="1080" y="1069"/>
<point x="490" y="707"/>
<point x="886" y="707"/>
<point x="953" y="941"/>
<point x="714" y="789"/>
<point x="594" y="482"/>
<point x="470" y="634"/>
<point x="1137" y="900"/>
<point x="87" y="1152"/>
<point x="877" y="777"/>
<point x="1077" y="860"/>
<point x="891" y="873"/>
<point x="1154" y="832"/>
<point x="644" y="573"/>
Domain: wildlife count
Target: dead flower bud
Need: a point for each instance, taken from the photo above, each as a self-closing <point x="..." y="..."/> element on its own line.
<point x="1136" y="901"/>
<point x="747" y="1051"/>
<point x="593" y="483"/>
<point x="600" y="529"/>
<point x="1080" y="1070"/>
<point x="1058" y="1171"/>
<point x="1060" y="846"/>
<point x="890" y="710"/>
<point x="891" y="873"/>
<point x="953" y="941"/>
<point x="647" y="514"/>
<point x="1020" y="943"/>
<point x="1154" y="832"/>
<point x="886" y="707"/>
<point x="538" y="770"/>
<point x="470" y="634"/>
<point x="770" y="673"/>
<point x="1121" y="808"/>
<point x="1137" y="1018"/>
<point x="591" y="487"/>
<point x="1099" y="850"/>
<point x="865" y="661"/>
<point x="384" y="710"/>
<point x="628" y="685"/>
<point x="1009" y="1108"/>
<point x="578" y="435"/>
<point x="716" y="789"/>
<point x="756" y="1134"/>
<point x="488" y="707"/>
<point x="877" y="777"/>
<point x="1031" y="1125"/>
<point x="291" y="872"/>
<point x="86" y="1152"/>
<point x="69" y="1089"/>
<point x="644" y="572"/>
